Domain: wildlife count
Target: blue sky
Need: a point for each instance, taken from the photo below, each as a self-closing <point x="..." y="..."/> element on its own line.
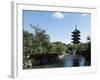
<point x="58" y="25"/>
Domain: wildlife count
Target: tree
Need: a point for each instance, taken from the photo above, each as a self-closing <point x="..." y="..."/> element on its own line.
<point x="41" y="38"/>
<point x="27" y="47"/>
<point x="88" y="39"/>
<point x="58" y="47"/>
<point x="27" y="42"/>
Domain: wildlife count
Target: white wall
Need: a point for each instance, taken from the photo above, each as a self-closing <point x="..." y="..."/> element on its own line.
<point x="5" y="40"/>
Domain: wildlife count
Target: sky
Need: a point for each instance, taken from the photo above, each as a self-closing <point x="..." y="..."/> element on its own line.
<point x="58" y="25"/>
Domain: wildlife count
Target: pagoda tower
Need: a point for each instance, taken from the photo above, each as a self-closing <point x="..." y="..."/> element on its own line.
<point x="76" y="35"/>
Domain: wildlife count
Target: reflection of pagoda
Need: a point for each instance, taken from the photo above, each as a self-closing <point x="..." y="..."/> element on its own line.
<point x="76" y="36"/>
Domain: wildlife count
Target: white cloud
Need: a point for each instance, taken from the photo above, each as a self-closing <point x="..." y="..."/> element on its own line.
<point x="84" y="14"/>
<point x="58" y="15"/>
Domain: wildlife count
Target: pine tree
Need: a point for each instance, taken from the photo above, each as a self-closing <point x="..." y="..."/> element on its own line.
<point x="76" y="36"/>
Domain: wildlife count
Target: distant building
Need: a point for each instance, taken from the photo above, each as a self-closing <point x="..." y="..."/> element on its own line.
<point x="76" y="36"/>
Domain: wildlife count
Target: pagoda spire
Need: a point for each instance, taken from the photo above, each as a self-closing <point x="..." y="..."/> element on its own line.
<point x="75" y="26"/>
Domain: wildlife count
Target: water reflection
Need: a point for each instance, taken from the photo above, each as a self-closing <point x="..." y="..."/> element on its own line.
<point x="73" y="60"/>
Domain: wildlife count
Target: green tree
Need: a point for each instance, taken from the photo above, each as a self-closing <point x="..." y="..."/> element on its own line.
<point x="27" y="42"/>
<point x="88" y="39"/>
<point x="58" y="47"/>
<point x="41" y="38"/>
<point x="27" y="46"/>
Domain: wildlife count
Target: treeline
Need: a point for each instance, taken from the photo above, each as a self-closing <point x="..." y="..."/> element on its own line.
<point x="39" y="42"/>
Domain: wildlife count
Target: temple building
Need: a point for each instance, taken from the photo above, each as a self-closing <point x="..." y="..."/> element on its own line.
<point x="76" y="36"/>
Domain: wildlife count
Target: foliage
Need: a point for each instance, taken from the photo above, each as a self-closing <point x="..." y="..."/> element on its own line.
<point x="39" y="42"/>
<point x="58" y="47"/>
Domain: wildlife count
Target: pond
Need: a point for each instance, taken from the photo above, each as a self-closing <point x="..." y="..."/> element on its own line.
<point x="61" y="61"/>
<point x="73" y="60"/>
